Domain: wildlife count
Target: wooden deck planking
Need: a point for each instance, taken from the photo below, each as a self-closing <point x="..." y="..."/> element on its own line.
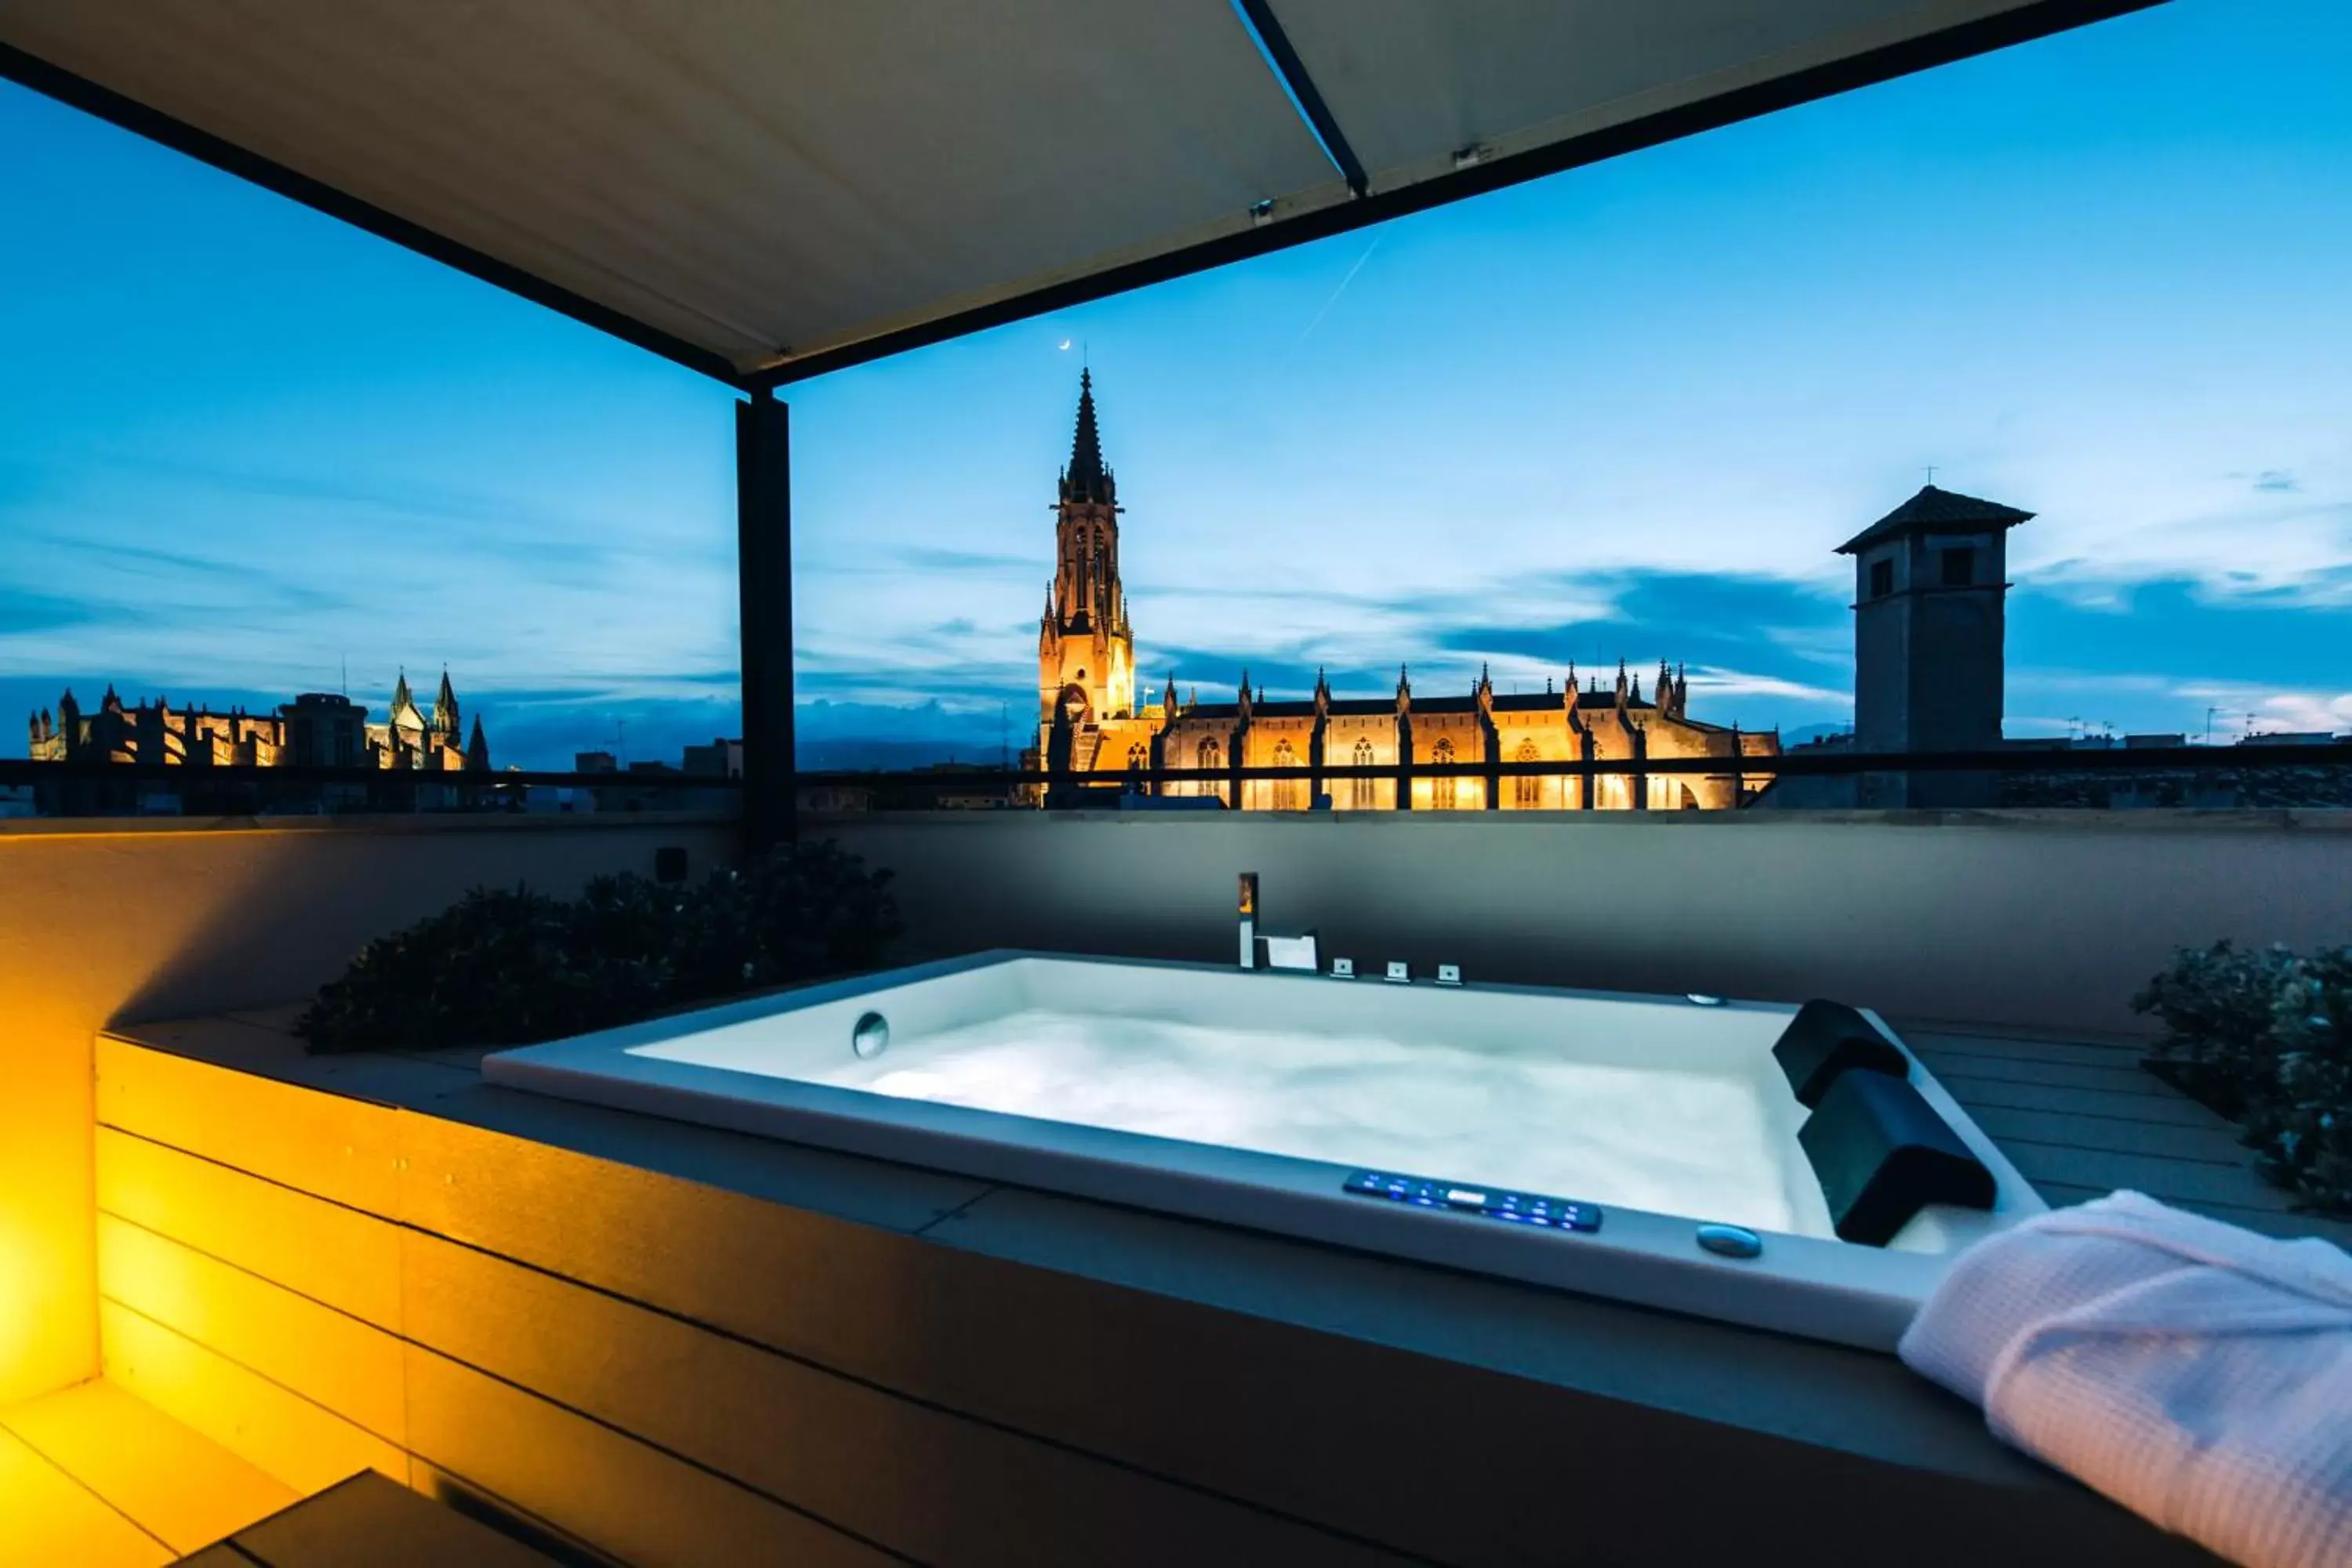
<point x="2066" y="1053"/>
<point x="48" y="1518"/>
<point x="175" y="1485"/>
<point x="1974" y="1089"/>
<point x="2007" y="1124"/>
<point x="2078" y="1128"/>
<point x="2122" y="1079"/>
<point x="368" y="1522"/>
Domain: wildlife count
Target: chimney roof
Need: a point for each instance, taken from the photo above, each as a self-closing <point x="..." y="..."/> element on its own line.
<point x="1932" y="508"/>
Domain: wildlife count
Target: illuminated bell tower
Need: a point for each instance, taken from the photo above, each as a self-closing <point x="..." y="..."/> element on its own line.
<point x="1086" y="650"/>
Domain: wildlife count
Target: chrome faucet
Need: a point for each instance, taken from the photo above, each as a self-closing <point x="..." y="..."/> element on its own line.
<point x="1249" y="919"/>
<point x="1270" y="951"/>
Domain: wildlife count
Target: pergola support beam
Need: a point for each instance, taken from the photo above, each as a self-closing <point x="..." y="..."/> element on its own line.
<point x="763" y="531"/>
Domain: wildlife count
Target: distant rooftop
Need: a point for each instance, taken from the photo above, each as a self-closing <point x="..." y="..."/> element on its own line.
<point x="1932" y="508"/>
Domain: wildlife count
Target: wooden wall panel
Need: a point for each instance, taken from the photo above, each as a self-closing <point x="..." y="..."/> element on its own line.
<point x="939" y="1487"/>
<point x="677" y="1373"/>
<point x="331" y="1145"/>
<point x="826" y="1286"/>
<point x="302" y="1444"/>
<point x="643" y="1505"/>
<point x="339" y="1256"/>
<point x="477" y="1502"/>
<point x="328" y="1357"/>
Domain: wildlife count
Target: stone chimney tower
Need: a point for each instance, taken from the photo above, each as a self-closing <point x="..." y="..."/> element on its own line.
<point x="1930" y="586"/>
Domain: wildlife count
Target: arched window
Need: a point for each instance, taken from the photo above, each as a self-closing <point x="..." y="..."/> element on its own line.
<point x="1441" y="789"/>
<point x="1208" y="755"/>
<point x="1530" y="793"/>
<point x="1290" y="794"/>
<point x="1362" y="794"/>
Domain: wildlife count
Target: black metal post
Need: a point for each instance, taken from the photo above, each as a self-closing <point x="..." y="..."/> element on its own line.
<point x="763" y="567"/>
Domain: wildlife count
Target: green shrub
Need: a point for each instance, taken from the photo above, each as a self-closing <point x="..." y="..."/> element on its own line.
<point x="506" y="968"/>
<point x="2216" y="1005"/>
<point x="2304" y="1128"/>
<point x="2265" y="1037"/>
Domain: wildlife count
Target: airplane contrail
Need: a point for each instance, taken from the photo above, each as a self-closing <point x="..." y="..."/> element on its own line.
<point x="1342" y="289"/>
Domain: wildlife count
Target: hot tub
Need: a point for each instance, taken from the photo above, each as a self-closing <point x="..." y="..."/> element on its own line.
<point x="1596" y="1141"/>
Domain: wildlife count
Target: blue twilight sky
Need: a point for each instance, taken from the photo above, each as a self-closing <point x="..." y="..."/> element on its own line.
<point x="1628" y="411"/>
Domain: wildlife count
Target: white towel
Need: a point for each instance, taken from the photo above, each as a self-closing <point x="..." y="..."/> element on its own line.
<point x="2197" y="1373"/>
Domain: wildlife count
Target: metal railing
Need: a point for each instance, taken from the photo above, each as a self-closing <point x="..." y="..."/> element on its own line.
<point x="2015" y="761"/>
<point x="2315" y="774"/>
<point x="88" y="788"/>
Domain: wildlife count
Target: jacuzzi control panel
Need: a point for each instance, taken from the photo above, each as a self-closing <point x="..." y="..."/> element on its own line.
<point x="1469" y="1197"/>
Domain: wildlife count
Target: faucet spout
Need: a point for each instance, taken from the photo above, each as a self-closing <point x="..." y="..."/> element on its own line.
<point x="1249" y="919"/>
<point x="1270" y="951"/>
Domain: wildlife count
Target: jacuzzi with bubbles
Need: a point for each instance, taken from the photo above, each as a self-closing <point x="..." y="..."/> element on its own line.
<point x="1650" y="1149"/>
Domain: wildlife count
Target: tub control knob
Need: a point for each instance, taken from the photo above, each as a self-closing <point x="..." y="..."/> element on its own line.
<point x="871" y="1037"/>
<point x="1731" y="1240"/>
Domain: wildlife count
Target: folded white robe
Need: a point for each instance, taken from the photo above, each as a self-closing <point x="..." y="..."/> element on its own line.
<point x="2197" y="1373"/>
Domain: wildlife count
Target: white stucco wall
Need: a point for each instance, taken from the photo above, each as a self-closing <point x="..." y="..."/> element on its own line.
<point x="2036" y="920"/>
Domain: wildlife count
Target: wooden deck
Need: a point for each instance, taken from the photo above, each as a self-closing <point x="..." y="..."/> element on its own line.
<point x="366" y="1521"/>
<point x="95" y="1477"/>
<point x="2081" y="1118"/>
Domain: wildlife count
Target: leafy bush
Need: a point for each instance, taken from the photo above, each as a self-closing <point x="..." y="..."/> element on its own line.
<point x="508" y="967"/>
<point x="2305" y="1128"/>
<point x="2217" y="1005"/>
<point x="2266" y="1038"/>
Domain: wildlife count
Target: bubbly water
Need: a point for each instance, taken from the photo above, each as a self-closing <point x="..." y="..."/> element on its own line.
<point x="1676" y="1143"/>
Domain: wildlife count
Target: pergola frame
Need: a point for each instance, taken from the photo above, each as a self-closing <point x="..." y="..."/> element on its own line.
<point x="762" y="446"/>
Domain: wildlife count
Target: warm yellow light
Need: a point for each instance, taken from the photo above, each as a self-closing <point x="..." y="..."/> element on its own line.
<point x="18" y="1300"/>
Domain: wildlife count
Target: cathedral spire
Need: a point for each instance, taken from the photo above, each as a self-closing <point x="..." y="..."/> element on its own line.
<point x="1087" y="478"/>
<point x="445" y="708"/>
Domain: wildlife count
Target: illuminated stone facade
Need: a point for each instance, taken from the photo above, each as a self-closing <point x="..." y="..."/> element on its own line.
<point x="1090" y="720"/>
<point x="315" y="730"/>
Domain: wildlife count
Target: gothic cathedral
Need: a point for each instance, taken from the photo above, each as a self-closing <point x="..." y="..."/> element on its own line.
<point x="1089" y="718"/>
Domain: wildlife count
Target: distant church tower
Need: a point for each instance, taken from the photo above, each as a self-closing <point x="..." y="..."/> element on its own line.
<point x="1930" y="582"/>
<point x="1086" y="650"/>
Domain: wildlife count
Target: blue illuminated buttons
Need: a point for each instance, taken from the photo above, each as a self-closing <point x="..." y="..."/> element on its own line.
<point x="1517" y="1208"/>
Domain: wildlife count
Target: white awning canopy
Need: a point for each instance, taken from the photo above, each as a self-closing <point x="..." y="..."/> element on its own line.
<point x="767" y="188"/>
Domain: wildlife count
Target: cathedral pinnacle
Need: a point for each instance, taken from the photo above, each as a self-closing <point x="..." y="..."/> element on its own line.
<point x="1087" y="478"/>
